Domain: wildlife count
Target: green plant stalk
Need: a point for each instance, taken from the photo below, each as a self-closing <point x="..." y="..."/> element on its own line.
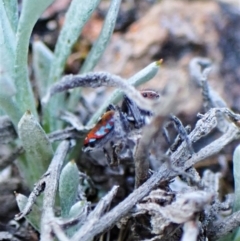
<point x="7" y="44"/>
<point x="38" y="149"/>
<point x="31" y="11"/>
<point x="98" y="47"/>
<point x="7" y="89"/>
<point x="236" y="174"/>
<point x="42" y="59"/>
<point x="77" y="15"/>
<point x="11" y="7"/>
<point x="141" y="77"/>
<point x="7" y="48"/>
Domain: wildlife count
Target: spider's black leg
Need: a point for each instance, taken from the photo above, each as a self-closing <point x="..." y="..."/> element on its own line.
<point x="133" y="112"/>
<point x="166" y="135"/>
<point x="182" y="132"/>
<point x="111" y="107"/>
<point x="179" y="140"/>
<point x="121" y="123"/>
<point x="172" y="145"/>
<point x="116" y="148"/>
<point x="122" y="129"/>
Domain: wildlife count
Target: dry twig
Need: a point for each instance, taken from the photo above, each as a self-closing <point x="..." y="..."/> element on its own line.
<point x="51" y="185"/>
<point x="203" y="127"/>
<point x="48" y="183"/>
<point x="221" y="228"/>
<point x="95" y="80"/>
<point x="93" y="217"/>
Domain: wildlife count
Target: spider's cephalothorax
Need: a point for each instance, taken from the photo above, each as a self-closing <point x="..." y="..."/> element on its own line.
<point x="118" y="129"/>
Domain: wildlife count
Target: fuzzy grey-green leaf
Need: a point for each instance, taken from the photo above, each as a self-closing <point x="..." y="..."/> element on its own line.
<point x="31" y="11"/>
<point x="68" y="187"/>
<point x="34" y="216"/>
<point x="7" y="86"/>
<point x="11" y="7"/>
<point x="79" y="208"/>
<point x="36" y="144"/>
<point x="7" y="43"/>
<point x="98" y="47"/>
<point x="236" y="174"/>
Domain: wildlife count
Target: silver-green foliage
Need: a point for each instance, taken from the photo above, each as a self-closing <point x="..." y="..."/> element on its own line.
<point x="235" y="236"/>
<point x="16" y="94"/>
<point x="68" y="187"/>
<point x="34" y="216"/>
<point x="38" y="149"/>
<point x="68" y="190"/>
<point x="236" y="174"/>
<point x="17" y="97"/>
<point x="77" y="15"/>
<point x="98" y="47"/>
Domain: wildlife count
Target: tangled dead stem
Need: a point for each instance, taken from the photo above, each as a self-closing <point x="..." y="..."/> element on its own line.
<point x="170" y="199"/>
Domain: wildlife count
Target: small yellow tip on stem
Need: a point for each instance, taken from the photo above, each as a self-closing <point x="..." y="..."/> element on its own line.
<point x="159" y="62"/>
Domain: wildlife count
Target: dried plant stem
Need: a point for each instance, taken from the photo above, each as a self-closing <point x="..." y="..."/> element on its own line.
<point x="142" y="152"/>
<point x="37" y="190"/>
<point x="95" y="80"/>
<point x="199" y="71"/>
<point x="220" y="229"/>
<point x="216" y="146"/>
<point x="80" y="218"/>
<point x="203" y="127"/>
<point x="96" y="223"/>
<point x="149" y="132"/>
<point x="58" y="231"/>
<point x="48" y="183"/>
<point x="51" y="185"/>
<point x="139" y="78"/>
<point x="93" y="217"/>
<point x="68" y="133"/>
<point x="60" y="135"/>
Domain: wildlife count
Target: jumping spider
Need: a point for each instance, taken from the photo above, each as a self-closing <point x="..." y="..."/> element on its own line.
<point x="118" y="130"/>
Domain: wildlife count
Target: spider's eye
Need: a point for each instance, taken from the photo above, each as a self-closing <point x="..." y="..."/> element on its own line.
<point x="144" y="95"/>
<point x="91" y="144"/>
